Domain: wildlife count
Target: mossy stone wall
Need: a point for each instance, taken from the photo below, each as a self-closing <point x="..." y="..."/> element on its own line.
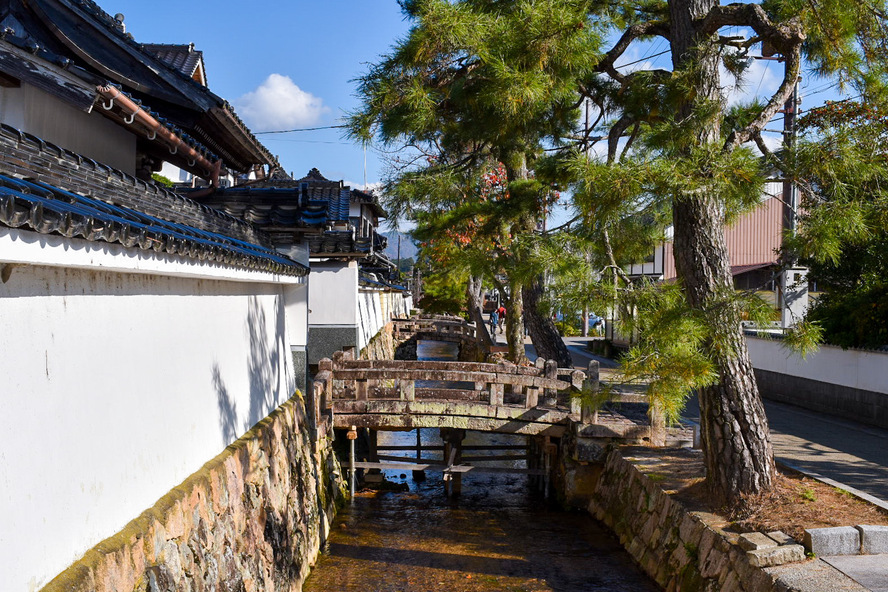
<point x="674" y="546"/>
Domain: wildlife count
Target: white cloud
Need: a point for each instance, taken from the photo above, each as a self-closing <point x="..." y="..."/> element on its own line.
<point x="377" y="186"/>
<point x="278" y="103"/>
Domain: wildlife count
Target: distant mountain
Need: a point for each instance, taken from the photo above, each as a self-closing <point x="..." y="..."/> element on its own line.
<point x="408" y="247"/>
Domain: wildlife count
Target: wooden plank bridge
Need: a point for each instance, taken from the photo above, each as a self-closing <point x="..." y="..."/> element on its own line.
<point x="396" y="394"/>
<point x="434" y="328"/>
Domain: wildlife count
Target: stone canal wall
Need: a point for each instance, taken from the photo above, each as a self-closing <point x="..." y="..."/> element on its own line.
<point x="382" y="346"/>
<point x="251" y="519"/>
<point x="675" y="547"/>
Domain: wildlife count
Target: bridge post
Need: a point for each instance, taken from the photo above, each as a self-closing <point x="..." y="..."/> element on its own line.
<point x="590" y="385"/>
<point x="453" y="438"/>
<point x="419" y="475"/>
<point x="532" y="397"/>
<point x="550" y="396"/>
<point x="407" y="389"/>
<point x="497" y="392"/>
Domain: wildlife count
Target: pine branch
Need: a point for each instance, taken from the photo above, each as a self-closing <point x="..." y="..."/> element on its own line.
<point x="629" y="35"/>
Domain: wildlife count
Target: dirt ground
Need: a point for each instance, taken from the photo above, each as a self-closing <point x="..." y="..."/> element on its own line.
<point x="796" y="503"/>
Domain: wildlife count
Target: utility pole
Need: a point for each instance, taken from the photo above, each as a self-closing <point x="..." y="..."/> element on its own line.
<point x="793" y="278"/>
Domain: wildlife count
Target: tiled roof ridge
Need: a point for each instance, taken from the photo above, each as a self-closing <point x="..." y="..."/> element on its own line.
<point x="50" y="210"/>
<point x="173" y="45"/>
<point x="106" y="19"/>
<point x="181" y="48"/>
<point x="315" y="175"/>
<point x="86" y="163"/>
<point x="36" y="49"/>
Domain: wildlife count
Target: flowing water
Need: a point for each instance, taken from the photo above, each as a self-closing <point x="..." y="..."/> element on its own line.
<point x="499" y="534"/>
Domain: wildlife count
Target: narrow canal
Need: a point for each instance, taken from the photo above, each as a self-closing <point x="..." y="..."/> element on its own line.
<point x="499" y="534"/>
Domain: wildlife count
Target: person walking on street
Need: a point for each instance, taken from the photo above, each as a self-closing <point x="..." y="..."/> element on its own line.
<point x="493" y="321"/>
<point x="501" y="313"/>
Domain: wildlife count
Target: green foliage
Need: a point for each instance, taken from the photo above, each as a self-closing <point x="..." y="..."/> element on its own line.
<point x="668" y="350"/>
<point x="443" y="292"/>
<point x="160" y="179"/>
<point x="845" y="40"/>
<point x="843" y="165"/>
<point x="804" y="338"/>
<point x="854" y="319"/>
<point x="405" y="266"/>
<point x="477" y="72"/>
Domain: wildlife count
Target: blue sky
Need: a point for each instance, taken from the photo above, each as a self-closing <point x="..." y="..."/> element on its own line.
<point x="292" y="64"/>
<point x="300" y="54"/>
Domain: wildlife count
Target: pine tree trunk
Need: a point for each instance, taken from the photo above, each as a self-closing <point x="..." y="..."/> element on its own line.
<point x="474" y="287"/>
<point x="546" y="340"/>
<point x="515" y="325"/>
<point x="735" y="436"/>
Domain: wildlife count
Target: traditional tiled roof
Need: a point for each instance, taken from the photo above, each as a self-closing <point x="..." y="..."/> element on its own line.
<point x="374" y="281"/>
<point x="270" y="206"/>
<point x="313" y="207"/>
<point x="369" y="199"/>
<point x="26" y="156"/>
<point x="315" y="176"/>
<point x="183" y="58"/>
<point x="50" y="210"/>
<point x="334" y="242"/>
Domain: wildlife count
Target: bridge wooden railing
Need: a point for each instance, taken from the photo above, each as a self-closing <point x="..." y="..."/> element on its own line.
<point x="490" y="384"/>
<point x="478" y="389"/>
<point x="443" y="325"/>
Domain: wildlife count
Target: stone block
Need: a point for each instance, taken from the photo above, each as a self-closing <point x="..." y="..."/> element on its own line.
<point x="781" y="538"/>
<point x="873" y="539"/>
<point x="837" y="540"/>
<point x="770" y="556"/>
<point x="752" y="541"/>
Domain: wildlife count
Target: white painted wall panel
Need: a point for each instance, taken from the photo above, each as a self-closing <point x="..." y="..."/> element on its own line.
<point x="851" y="368"/>
<point x="117" y="387"/>
<point x="377" y="308"/>
<point x="333" y="294"/>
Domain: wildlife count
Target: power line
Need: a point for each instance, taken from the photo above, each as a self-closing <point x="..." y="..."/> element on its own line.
<point x="301" y="129"/>
<point x="643" y="59"/>
<point x="309" y="141"/>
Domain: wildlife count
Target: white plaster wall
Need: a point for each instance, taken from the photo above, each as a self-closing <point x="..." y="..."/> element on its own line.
<point x="116" y="387"/>
<point x="31" y="110"/>
<point x="851" y="368"/>
<point x="296" y="306"/>
<point x="333" y="294"/>
<point x="378" y="307"/>
<point x="372" y="320"/>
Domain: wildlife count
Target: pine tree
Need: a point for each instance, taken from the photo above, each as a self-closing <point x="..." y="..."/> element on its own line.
<point x="495" y="79"/>
<point x="478" y="81"/>
<point x="692" y="155"/>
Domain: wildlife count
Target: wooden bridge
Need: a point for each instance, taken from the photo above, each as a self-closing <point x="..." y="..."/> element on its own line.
<point x="434" y="328"/>
<point x="539" y="401"/>
<point x="530" y="400"/>
<point x="395" y="394"/>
